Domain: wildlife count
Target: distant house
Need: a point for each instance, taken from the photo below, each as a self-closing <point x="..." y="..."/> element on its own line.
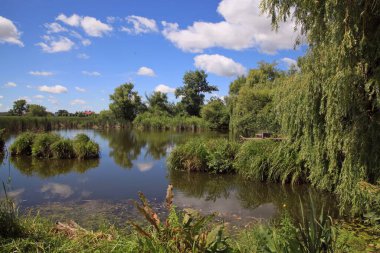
<point x="88" y="113"/>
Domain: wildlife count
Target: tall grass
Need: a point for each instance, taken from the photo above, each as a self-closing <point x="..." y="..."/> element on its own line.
<point x="2" y="140"/>
<point x="207" y="155"/>
<point x="50" y="145"/>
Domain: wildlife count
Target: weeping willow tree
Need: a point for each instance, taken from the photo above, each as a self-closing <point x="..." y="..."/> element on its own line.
<point x="331" y="114"/>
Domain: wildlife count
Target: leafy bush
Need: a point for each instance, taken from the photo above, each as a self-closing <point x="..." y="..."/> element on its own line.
<point x="221" y="155"/>
<point x="185" y="231"/>
<point x="85" y="148"/>
<point x="63" y="149"/>
<point x="23" y="144"/>
<point x="42" y="145"/>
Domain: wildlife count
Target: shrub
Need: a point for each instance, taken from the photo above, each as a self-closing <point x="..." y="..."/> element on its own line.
<point x="221" y="155"/>
<point x="253" y="160"/>
<point x="63" y="149"/>
<point x="23" y="144"/>
<point x="42" y="145"/>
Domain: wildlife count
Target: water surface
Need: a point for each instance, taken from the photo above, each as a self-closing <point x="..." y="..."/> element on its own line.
<point x="133" y="161"/>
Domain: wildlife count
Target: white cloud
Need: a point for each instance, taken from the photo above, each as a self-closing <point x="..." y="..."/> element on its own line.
<point x="53" y="100"/>
<point x="41" y="73"/>
<point x="56" y="89"/>
<point x="93" y="73"/>
<point x="78" y="102"/>
<point x="140" y="25"/>
<point x="53" y="45"/>
<point x="90" y="25"/>
<point x="80" y="89"/>
<point x="54" y="28"/>
<point x="1" y="97"/>
<point x="10" y="84"/>
<point x="289" y="62"/>
<point x="145" y="71"/>
<point x="83" y="56"/>
<point x="74" y="20"/>
<point x="94" y="27"/>
<point x="38" y="96"/>
<point x="219" y="65"/>
<point x="243" y="27"/>
<point x="164" y="88"/>
<point x="9" y="32"/>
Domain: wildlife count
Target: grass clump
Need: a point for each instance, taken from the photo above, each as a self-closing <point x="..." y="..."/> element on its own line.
<point x="23" y="144"/>
<point x="63" y="149"/>
<point x="2" y="140"/>
<point x="214" y="156"/>
<point x="85" y="148"/>
<point x="10" y="225"/>
<point x="41" y="147"/>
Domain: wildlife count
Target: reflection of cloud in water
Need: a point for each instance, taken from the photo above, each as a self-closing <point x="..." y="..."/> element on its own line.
<point x="54" y="189"/>
<point x="15" y="194"/>
<point x="145" y="166"/>
<point x="85" y="194"/>
<point x="225" y="206"/>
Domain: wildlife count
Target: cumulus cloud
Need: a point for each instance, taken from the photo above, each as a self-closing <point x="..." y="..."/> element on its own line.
<point x="56" y="89"/>
<point x="1" y="97"/>
<point x="89" y="73"/>
<point x="55" y="45"/>
<point x="38" y="96"/>
<point x="219" y="65"/>
<point x="164" y="88"/>
<point x="86" y="42"/>
<point x="77" y="102"/>
<point x="10" y="84"/>
<point x="92" y="26"/>
<point x="243" y="27"/>
<point x="9" y="32"/>
<point x="140" y="25"/>
<point x="80" y="89"/>
<point x="54" y="28"/>
<point x="145" y="71"/>
<point x="41" y="73"/>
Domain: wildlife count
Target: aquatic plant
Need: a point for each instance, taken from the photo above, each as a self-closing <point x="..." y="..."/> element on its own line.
<point x="221" y="155"/>
<point x="23" y="144"/>
<point x="63" y="149"/>
<point x="185" y="231"/>
<point x="85" y="148"/>
<point x="10" y="225"/>
<point x="42" y="144"/>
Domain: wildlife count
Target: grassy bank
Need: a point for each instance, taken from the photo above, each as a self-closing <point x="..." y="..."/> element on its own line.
<point x="50" y="145"/>
<point x="24" y="123"/>
<point x="182" y="231"/>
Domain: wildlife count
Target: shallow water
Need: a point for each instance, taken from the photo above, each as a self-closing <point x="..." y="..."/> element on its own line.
<point x="133" y="161"/>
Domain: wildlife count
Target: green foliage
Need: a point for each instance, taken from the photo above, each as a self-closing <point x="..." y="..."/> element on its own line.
<point x="185" y="231"/>
<point x="84" y="148"/>
<point x="19" y="107"/>
<point x="62" y="113"/>
<point x="126" y="103"/>
<point x="195" y="84"/>
<point x="158" y="102"/>
<point x="10" y="225"/>
<point x="215" y="156"/>
<point x="215" y="113"/>
<point x="331" y="110"/>
<point x="63" y="149"/>
<point x="253" y="161"/>
<point x="42" y="145"/>
<point x="36" y="110"/>
<point x="23" y="144"/>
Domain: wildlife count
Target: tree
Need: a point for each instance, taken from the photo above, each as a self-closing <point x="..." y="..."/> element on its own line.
<point x="158" y="101"/>
<point x="36" y="110"/>
<point x="126" y="103"/>
<point x="331" y="111"/>
<point x="195" y="84"/>
<point x="19" y="107"/>
<point x="215" y="113"/>
<point x="62" y="113"/>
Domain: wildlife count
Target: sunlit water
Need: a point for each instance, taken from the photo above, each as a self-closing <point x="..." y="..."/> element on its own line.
<point x="133" y="161"/>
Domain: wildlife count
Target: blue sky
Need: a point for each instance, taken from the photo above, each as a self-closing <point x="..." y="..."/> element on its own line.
<point x="72" y="54"/>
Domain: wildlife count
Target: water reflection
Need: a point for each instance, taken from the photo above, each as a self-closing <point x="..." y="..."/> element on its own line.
<point x="52" y="190"/>
<point x="45" y="168"/>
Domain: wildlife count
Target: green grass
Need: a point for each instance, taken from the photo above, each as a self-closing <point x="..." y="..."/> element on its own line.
<point x="50" y="145"/>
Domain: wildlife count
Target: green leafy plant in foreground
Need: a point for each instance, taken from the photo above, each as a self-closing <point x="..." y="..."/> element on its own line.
<point x="185" y="231"/>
